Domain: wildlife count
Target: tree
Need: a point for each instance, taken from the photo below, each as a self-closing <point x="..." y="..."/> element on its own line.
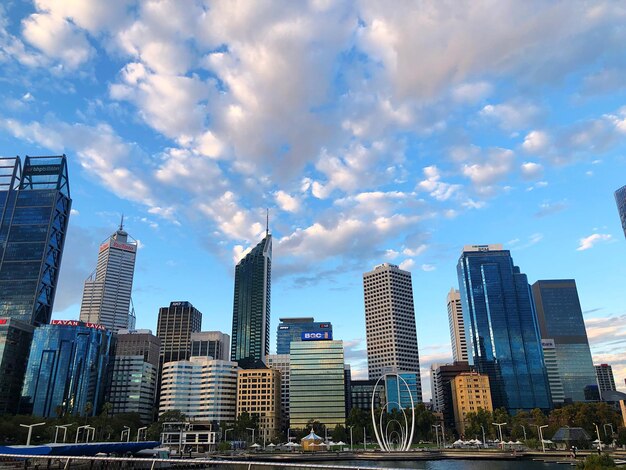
<point x="474" y="421"/>
<point x="597" y="462"/>
<point x="339" y="433"/>
<point x="243" y="423"/>
<point x="173" y="416"/>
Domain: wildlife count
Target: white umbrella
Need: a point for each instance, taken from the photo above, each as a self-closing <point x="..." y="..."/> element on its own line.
<point x="477" y="442"/>
<point x="290" y="444"/>
<point x="271" y="444"/>
<point x="517" y="443"/>
<point x="255" y="445"/>
<point x="341" y="443"/>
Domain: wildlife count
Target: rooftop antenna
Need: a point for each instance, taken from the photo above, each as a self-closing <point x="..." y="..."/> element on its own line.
<point x="267" y="222"/>
<point x="122" y="223"/>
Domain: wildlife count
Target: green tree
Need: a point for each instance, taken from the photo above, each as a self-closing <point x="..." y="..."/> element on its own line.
<point x="597" y="462"/>
<point x="339" y="433"/>
<point x="174" y="416"/>
<point x="474" y="421"/>
<point x="243" y="423"/>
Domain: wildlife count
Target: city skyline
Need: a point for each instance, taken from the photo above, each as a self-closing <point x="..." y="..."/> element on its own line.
<point x="361" y="157"/>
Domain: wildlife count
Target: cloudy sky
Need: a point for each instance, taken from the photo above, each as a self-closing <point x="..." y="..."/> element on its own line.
<point x="372" y="134"/>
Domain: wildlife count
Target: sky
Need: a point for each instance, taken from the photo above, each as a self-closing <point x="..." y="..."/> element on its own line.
<point x="372" y="133"/>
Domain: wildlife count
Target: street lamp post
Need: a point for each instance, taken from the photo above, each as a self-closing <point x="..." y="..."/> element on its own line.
<point x="127" y="432"/>
<point x="540" y="434"/>
<point x="436" y="433"/>
<point x="78" y="432"/>
<point x="93" y="433"/>
<point x="30" y="430"/>
<point x="484" y="440"/>
<point x="226" y="432"/>
<point x="64" y="427"/>
<point x="609" y="425"/>
<point x="364" y="441"/>
<point x="251" y="429"/>
<point x="500" y="431"/>
<point x="139" y="431"/>
<point x="523" y="429"/>
<point x="598" y="434"/>
<point x="351" y="438"/>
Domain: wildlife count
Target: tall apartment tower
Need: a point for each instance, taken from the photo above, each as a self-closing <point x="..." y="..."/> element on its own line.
<point x="390" y="322"/>
<point x="457" y="327"/>
<point x="560" y="319"/>
<point x="620" y="199"/>
<point x="107" y="292"/>
<point x="504" y="340"/>
<point x="34" y="212"/>
<point x="251" y="306"/>
<point x="606" y="380"/>
<point x="174" y="328"/>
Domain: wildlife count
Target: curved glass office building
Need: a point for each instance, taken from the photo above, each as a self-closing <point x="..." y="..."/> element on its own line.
<point x="620" y="199"/>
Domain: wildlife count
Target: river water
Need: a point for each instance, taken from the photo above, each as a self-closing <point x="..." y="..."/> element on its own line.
<point x="424" y="464"/>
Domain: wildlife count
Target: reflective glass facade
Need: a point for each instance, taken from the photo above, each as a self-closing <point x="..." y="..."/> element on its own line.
<point x="316" y="383"/>
<point x="251" y="306"/>
<point x="15" y="338"/>
<point x="291" y="329"/>
<point x="397" y="394"/>
<point x="560" y="318"/>
<point x="620" y="199"/>
<point x="67" y="368"/>
<point x="501" y="326"/>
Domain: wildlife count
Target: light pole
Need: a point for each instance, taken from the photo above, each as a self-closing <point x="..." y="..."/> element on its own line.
<point x="64" y="427"/>
<point x="364" y="444"/>
<point x="540" y="434"/>
<point x="523" y="429"/>
<point x="127" y="432"/>
<point x="93" y="435"/>
<point x="325" y="434"/>
<point x="436" y="433"/>
<point x="78" y="432"/>
<point x="139" y="431"/>
<point x="226" y="431"/>
<point x="351" y="438"/>
<point x="598" y="434"/>
<point x="251" y="429"/>
<point x="500" y="431"/>
<point x="484" y="440"/>
<point x="609" y="425"/>
<point x="30" y="430"/>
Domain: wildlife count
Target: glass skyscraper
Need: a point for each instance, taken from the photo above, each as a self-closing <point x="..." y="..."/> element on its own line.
<point x="35" y="208"/>
<point x="67" y="369"/>
<point x="561" y="320"/>
<point x="501" y="326"/>
<point x="620" y="199"/>
<point x="250" y="340"/>
<point x="292" y="329"/>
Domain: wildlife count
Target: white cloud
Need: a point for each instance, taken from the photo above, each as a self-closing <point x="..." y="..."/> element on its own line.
<point x="590" y="241"/>
<point x="407" y="264"/>
<point x="536" y="141"/>
<point x="437" y="189"/>
<point x="287" y="202"/>
<point x="428" y="267"/>
<point x="493" y="167"/>
<point x="513" y="115"/>
<point x="471" y="92"/>
<point x="531" y="170"/>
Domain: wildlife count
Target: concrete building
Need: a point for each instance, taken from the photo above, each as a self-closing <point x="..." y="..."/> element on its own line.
<point x="457" y="327"/>
<point x="258" y="394"/>
<point x="390" y="322"/>
<point x="135" y="373"/>
<point x="175" y="325"/>
<point x="316" y="389"/>
<point x="470" y="392"/>
<point x="552" y="367"/>
<point x="203" y="389"/>
<point x="361" y="394"/>
<point x="606" y="380"/>
<point x="441" y="376"/>
<point x="214" y="344"/>
<point x="293" y="329"/>
<point x="280" y="362"/>
<point x="107" y="291"/>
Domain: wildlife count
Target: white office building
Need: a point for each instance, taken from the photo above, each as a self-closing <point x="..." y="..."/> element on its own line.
<point x="457" y="328"/>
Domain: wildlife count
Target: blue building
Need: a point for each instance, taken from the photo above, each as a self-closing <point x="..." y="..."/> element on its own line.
<point x="620" y="199"/>
<point x="501" y="326"/>
<point x="250" y="339"/>
<point x="34" y="212"/>
<point x="396" y="392"/>
<point x="293" y="329"/>
<point x="67" y="370"/>
<point x="561" y="320"/>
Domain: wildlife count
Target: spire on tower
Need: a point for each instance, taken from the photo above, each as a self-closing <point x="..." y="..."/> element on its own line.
<point x="122" y="223"/>
<point x="267" y="222"/>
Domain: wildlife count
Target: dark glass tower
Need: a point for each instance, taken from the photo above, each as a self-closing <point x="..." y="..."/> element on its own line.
<point x="300" y="329"/>
<point x="502" y="328"/>
<point x="34" y="212"/>
<point x="250" y="341"/>
<point x="561" y="319"/>
<point x="620" y="199"/>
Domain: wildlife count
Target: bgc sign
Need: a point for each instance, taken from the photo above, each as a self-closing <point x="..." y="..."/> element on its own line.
<point x="317" y="336"/>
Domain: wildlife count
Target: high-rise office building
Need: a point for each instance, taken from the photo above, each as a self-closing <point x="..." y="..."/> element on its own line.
<point x="441" y="377"/>
<point x="293" y="329"/>
<point x="501" y="326"/>
<point x="457" y="327"/>
<point x="251" y="306"/>
<point x="174" y="328"/>
<point x="470" y="393"/>
<point x="620" y="199"/>
<point x="605" y="378"/>
<point x="135" y="370"/>
<point x="316" y="388"/>
<point x="561" y="320"/>
<point x="280" y="362"/>
<point x="258" y="394"/>
<point x="35" y="208"/>
<point x="107" y="292"/>
<point x="390" y="323"/>
<point x="401" y="390"/>
<point x="214" y="344"/>
<point x="551" y="361"/>
<point x="361" y="394"/>
<point x="67" y="370"/>
<point x="203" y="389"/>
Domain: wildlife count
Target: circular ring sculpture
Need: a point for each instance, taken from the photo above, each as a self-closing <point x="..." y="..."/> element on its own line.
<point x="381" y="434"/>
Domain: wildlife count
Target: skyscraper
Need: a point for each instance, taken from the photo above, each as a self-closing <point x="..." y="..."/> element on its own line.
<point x="251" y="307"/>
<point x="35" y="208"/>
<point x="457" y="327"/>
<point x="211" y="343"/>
<point x="552" y="369"/>
<point x="501" y="325"/>
<point x="390" y="323"/>
<point x="291" y="329"/>
<point x="106" y="296"/>
<point x="620" y="198"/>
<point x="561" y="320"/>
<point x="606" y="380"/>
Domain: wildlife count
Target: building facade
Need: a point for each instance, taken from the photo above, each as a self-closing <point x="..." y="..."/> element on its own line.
<point x="620" y="199"/>
<point x="470" y="393"/>
<point x="280" y="362"/>
<point x="441" y="377"/>
<point x="605" y="378"/>
<point x="503" y="336"/>
<point x="251" y="306"/>
<point x="560" y="319"/>
<point x="361" y="393"/>
<point x="175" y="325"/>
<point x="316" y="383"/>
<point x="107" y="291"/>
<point x="390" y="323"/>
<point x="258" y="394"/>
<point x="135" y="373"/>
<point x="68" y="369"/>
<point x="551" y="361"/>
<point x="203" y="389"/>
<point x="214" y="344"/>
<point x="457" y="327"/>
<point x="35" y="208"/>
<point x="293" y="329"/>
<point x="401" y="390"/>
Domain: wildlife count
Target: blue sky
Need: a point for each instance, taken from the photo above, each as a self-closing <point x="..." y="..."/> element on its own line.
<point x="372" y="133"/>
